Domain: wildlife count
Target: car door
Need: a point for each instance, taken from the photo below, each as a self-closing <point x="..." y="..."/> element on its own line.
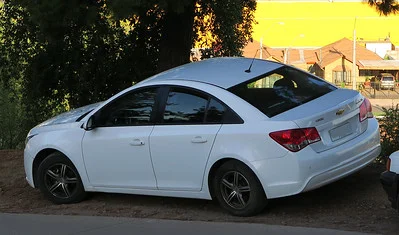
<point x="182" y="141"/>
<point x="116" y="152"/>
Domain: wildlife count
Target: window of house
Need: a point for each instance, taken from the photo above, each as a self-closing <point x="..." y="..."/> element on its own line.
<point x="340" y="77"/>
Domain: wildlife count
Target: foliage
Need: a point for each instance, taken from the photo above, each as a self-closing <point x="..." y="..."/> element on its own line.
<point x="80" y="57"/>
<point x="221" y="28"/>
<point x="229" y="24"/>
<point x="12" y="133"/>
<point x="65" y="54"/>
<point x="389" y="130"/>
<point x="384" y="7"/>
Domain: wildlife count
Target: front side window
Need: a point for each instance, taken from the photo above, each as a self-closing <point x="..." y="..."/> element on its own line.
<point x="132" y="109"/>
<point x="281" y="90"/>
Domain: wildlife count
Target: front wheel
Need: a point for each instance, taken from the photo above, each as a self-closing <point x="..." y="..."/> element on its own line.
<point x="238" y="190"/>
<point x="59" y="180"/>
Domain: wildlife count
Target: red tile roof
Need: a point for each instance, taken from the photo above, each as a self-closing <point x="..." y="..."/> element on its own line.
<point x="322" y="56"/>
<point x="344" y="48"/>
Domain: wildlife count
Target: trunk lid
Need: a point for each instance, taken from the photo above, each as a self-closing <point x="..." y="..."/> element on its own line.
<point x="334" y="115"/>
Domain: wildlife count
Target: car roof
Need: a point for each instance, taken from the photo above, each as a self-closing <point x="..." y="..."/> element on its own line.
<point x="386" y="74"/>
<point x="224" y="72"/>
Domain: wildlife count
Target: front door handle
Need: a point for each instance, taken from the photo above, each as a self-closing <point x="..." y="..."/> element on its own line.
<point x="137" y="142"/>
<point x="198" y="139"/>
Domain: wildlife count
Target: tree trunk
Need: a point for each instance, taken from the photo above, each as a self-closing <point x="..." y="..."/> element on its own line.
<point x="176" y="40"/>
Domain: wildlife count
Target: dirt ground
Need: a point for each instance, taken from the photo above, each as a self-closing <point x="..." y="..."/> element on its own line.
<point x="356" y="203"/>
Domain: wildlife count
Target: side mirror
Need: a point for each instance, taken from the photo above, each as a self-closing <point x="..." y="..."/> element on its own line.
<point x="90" y="123"/>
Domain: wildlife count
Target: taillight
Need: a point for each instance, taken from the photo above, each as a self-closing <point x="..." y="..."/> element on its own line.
<point x="365" y="110"/>
<point x="296" y="139"/>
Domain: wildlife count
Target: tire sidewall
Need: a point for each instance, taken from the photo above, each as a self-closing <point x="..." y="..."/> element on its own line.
<point x="257" y="200"/>
<point x="51" y="160"/>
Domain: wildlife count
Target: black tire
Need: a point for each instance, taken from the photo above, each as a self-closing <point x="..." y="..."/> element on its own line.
<point x="238" y="190"/>
<point x="59" y="180"/>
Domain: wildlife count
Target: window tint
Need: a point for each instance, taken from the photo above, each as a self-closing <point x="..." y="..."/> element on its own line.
<point x="131" y="109"/>
<point x="216" y="112"/>
<point x="281" y="90"/>
<point x="184" y="107"/>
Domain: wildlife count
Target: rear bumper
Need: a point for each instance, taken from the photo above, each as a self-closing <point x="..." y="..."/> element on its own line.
<point x="389" y="181"/>
<point x="388" y="86"/>
<point x="307" y="169"/>
<point x="341" y="171"/>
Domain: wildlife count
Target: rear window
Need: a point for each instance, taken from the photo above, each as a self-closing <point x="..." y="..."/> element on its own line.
<point x="281" y="90"/>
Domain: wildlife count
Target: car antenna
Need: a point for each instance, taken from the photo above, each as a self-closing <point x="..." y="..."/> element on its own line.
<point x="250" y="66"/>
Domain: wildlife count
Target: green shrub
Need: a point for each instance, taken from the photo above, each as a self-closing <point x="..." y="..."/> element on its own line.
<point x="389" y="131"/>
<point x="12" y="133"/>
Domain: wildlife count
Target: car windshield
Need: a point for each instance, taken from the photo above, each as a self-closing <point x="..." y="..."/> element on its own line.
<point x="387" y="79"/>
<point x="281" y="90"/>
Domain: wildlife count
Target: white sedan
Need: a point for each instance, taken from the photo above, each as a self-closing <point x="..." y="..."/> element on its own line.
<point x="237" y="130"/>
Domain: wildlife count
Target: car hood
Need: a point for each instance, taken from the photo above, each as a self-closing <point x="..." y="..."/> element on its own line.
<point x="69" y="117"/>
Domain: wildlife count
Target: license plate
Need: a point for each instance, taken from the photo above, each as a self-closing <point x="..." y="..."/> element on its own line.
<point x="340" y="132"/>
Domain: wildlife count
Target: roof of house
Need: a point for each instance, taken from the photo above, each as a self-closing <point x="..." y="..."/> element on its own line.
<point x="322" y="56"/>
<point x="252" y="49"/>
<point x="380" y="64"/>
<point x="344" y="48"/>
<point x="302" y="55"/>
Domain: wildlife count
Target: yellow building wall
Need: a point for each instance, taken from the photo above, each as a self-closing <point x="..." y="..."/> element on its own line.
<point x="316" y="24"/>
<point x="328" y="71"/>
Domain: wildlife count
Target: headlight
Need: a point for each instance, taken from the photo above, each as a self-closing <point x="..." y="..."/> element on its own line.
<point x="28" y="138"/>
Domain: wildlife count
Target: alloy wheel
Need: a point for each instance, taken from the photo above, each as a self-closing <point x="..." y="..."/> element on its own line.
<point x="61" y="180"/>
<point x="235" y="189"/>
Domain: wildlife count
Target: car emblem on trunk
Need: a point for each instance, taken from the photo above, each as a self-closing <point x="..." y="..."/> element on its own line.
<point x="340" y="112"/>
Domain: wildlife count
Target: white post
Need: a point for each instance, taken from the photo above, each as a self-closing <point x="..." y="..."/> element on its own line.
<point x="354" y="59"/>
<point x="285" y="55"/>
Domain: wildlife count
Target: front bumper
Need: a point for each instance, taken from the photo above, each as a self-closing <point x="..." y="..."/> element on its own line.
<point x="389" y="181"/>
<point x="28" y="164"/>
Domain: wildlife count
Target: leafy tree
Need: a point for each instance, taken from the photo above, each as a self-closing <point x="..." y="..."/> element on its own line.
<point x="72" y="55"/>
<point x="389" y="130"/>
<point x="385" y="7"/>
<point x="187" y="22"/>
<point x="229" y="24"/>
<point x="65" y="54"/>
<point x="12" y="133"/>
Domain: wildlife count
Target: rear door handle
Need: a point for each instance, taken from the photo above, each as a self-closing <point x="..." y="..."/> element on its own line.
<point x="137" y="142"/>
<point x="198" y="139"/>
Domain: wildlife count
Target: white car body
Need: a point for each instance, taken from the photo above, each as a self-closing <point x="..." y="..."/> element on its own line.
<point x="394" y="162"/>
<point x="390" y="179"/>
<point x="176" y="160"/>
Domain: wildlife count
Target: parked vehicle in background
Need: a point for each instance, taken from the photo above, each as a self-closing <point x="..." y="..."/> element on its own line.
<point x="236" y="130"/>
<point x="383" y="81"/>
<point x="390" y="179"/>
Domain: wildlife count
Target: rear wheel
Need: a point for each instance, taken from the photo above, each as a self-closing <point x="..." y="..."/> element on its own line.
<point x="59" y="180"/>
<point x="238" y="190"/>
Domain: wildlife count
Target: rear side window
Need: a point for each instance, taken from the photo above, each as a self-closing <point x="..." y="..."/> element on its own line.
<point x="215" y="113"/>
<point x="281" y="90"/>
<point x="185" y="106"/>
<point x="182" y="107"/>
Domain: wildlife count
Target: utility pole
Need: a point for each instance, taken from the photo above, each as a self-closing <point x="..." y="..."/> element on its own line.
<point x="354" y="58"/>
<point x="261" y="49"/>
